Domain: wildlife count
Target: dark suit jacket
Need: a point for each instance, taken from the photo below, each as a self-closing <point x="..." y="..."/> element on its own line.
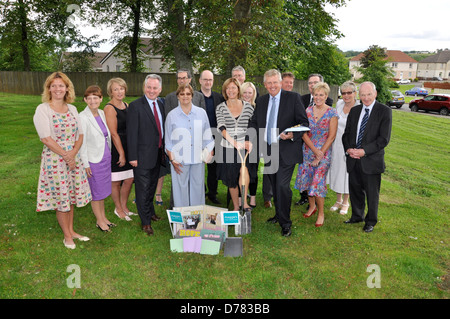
<point x="376" y="137"/>
<point x="142" y="133"/>
<point x="217" y="97"/>
<point x="306" y="99"/>
<point x="291" y="112"/>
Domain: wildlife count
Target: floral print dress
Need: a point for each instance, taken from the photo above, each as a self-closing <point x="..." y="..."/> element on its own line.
<point x="313" y="178"/>
<point x="58" y="187"/>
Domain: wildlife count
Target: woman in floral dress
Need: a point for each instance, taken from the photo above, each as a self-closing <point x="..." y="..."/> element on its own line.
<point x="62" y="181"/>
<point x="312" y="173"/>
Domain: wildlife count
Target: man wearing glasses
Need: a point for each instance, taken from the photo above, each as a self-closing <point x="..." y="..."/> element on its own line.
<point x="171" y="100"/>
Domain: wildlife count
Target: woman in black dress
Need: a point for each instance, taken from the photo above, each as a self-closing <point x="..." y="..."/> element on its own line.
<point x="122" y="171"/>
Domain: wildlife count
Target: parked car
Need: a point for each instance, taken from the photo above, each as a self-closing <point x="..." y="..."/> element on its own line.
<point x="433" y="102"/>
<point x="398" y="99"/>
<point x="437" y="78"/>
<point x="416" y="91"/>
<point x="404" y="81"/>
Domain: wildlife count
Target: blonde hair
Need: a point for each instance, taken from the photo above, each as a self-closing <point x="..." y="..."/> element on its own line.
<point x="225" y="85"/>
<point x="121" y="82"/>
<point x="246" y="85"/>
<point x="322" y="86"/>
<point x="69" y="97"/>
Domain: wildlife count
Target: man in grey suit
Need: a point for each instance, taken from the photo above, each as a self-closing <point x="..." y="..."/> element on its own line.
<point x="171" y="100"/>
<point x="366" y="134"/>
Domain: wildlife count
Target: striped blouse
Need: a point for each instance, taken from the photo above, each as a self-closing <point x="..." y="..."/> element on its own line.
<point x="237" y="128"/>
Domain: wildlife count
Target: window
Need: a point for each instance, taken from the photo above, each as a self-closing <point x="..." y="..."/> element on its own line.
<point x="410" y="66"/>
<point x="394" y="64"/>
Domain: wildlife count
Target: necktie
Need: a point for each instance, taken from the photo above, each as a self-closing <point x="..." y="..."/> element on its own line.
<point x="271" y="123"/>
<point x="155" y="113"/>
<point x="311" y="103"/>
<point x="362" y="127"/>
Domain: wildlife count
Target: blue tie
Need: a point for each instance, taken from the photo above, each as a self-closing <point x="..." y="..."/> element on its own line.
<point x="271" y="122"/>
<point x="362" y="127"/>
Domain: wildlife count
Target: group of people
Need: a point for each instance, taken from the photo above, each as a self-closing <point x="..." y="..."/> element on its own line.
<point x="99" y="153"/>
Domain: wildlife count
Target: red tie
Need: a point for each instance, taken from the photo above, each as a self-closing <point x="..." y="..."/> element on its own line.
<point x="155" y="113"/>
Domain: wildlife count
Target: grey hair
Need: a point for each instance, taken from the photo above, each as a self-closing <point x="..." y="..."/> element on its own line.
<point x="369" y="83"/>
<point x="238" y="68"/>
<point x="272" y="72"/>
<point x="348" y="84"/>
<point x="316" y="74"/>
<point x="153" y="76"/>
<point x="185" y="71"/>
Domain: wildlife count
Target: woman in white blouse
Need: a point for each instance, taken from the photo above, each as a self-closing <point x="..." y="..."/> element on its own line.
<point x="337" y="174"/>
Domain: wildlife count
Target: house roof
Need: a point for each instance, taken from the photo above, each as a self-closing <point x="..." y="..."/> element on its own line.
<point x="98" y="56"/>
<point x="146" y="48"/>
<point x="441" y="57"/>
<point x="392" y="56"/>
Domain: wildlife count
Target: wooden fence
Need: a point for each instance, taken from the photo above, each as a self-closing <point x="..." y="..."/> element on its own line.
<point x="21" y="82"/>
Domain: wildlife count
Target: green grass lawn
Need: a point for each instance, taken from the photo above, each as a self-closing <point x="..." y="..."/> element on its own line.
<point x="410" y="244"/>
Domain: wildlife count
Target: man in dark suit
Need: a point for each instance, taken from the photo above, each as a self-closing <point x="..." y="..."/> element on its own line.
<point x="145" y="137"/>
<point x="212" y="99"/>
<point x="366" y="134"/>
<point x="308" y="100"/>
<point x="275" y="112"/>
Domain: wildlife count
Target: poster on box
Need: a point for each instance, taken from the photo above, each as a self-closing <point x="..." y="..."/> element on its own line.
<point x="196" y="218"/>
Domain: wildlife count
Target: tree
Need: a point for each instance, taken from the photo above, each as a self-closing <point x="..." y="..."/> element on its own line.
<point x="127" y="17"/>
<point x="374" y="69"/>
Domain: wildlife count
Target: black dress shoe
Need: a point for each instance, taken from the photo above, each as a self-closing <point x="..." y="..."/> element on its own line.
<point x="214" y="200"/>
<point x="286" y="232"/>
<point x="302" y="201"/>
<point x="273" y="220"/>
<point x="368" y="228"/>
<point x="351" y="221"/>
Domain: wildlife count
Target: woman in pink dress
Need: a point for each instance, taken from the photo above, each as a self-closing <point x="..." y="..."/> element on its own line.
<point x="62" y="181"/>
<point x="312" y="173"/>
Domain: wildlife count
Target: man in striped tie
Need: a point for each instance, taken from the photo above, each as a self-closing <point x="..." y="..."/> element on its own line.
<point x="366" y="134"/>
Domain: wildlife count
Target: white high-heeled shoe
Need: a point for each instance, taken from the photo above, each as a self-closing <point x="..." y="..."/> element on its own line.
<point x="342" y="211"/>
<point x="70" y="246"/>
<point x="336" y="206"/>
<point x="124" y="218"/>
<point x="82" y="238"/>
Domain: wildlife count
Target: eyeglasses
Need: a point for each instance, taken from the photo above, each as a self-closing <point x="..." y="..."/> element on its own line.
<point x="347" y="93"/>
<point x="183" y="94"/>
<point x="182" y="78"/>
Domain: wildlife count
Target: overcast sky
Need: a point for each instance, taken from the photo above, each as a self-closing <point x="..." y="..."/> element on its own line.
<point x="405" y="25"/>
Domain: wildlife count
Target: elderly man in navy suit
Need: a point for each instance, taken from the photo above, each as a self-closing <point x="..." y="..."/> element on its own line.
<point x="274" y="113"/>
<point x="366" y="134"/>
<point x="145" y="137"/>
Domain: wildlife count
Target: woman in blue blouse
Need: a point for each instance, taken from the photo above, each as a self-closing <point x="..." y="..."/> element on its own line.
<point x="189" y="143"/>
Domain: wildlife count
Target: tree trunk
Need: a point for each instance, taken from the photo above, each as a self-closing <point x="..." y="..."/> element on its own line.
<point x="24" y="36"/>
<point x="179" y="38"/>
<point x="135" y="39"/>
<point x="238" y="29"/>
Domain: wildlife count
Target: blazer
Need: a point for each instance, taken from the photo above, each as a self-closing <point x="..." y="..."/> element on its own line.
<point x="171" y="101"/>
<point x="376" y="137"/>
<point x="306" y="99"/>
<point x="93" y="147"/>
<point x="291" y="112"/>
<point x="142" y="133"/>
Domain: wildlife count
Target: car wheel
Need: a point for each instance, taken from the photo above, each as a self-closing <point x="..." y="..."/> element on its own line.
<point x="443" y="111"/>
<point x="399" y="106"/>
<point x="414" y="108"/>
